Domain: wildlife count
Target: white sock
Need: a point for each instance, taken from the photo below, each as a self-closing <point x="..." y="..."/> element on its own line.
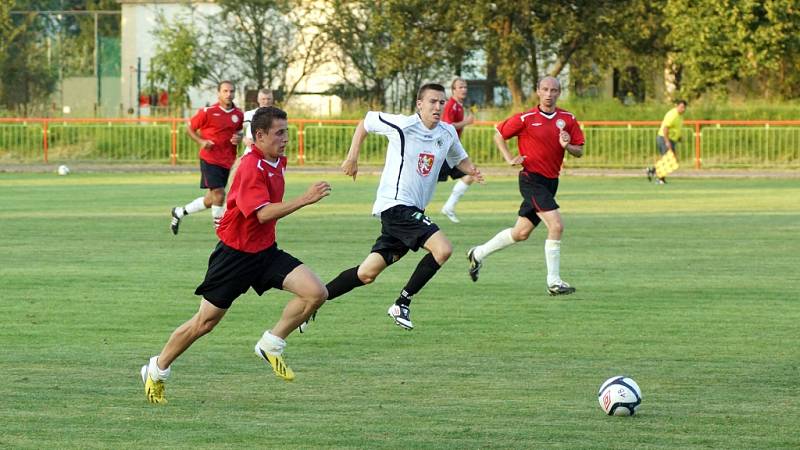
<point x="155" y="372"/>
<point x="196" y="205"/>
<point x="217" y="212"/>
<point x="552" y="255"/>
<point x="500" y="241"/>
<point x="458" y="190"/>
<point x="271" y="344"/>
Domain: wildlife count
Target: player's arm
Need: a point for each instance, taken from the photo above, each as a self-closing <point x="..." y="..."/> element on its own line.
<point x="313" y="194"/>
<point x="467" y="121"/>
<point x="468" y="168"/>
<point x="197" y="138"/>
<point x="350" y="164"/>
<point x="667" y="142"/>
<point x="500" y="143"/>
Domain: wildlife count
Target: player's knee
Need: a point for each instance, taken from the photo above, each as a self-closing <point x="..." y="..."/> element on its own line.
<point x="202" y="327"/>
<point x="443" y="254"/>
<point x="556" y="229"/>
<point x="520" y="235"/>
<point x="318" y="296"/>
<point x="367" y="277"/>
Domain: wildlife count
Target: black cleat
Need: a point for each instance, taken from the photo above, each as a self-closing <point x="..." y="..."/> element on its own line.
<point x="651" y="172"/>
<point x="176" y="221"/>
<point x="561" y="288"/>
<point x="474" y="265"/>
<point x="304" y="326"/>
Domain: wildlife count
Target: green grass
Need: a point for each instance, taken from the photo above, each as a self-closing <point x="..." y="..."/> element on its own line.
<point x="689" y="288"/>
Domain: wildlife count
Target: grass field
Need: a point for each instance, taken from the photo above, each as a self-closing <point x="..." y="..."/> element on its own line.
<point x="690" y="288"/>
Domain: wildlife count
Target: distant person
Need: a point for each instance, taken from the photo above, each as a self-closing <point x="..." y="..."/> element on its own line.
<point x="454" y="115"/>
<point x="419" y="145"/>
<point x="216" y="129"/>
<point x="264" y="98"/>
<point x="669" y="134"/>
<point x="544" y="134"/>
<point x="248" y="256"/>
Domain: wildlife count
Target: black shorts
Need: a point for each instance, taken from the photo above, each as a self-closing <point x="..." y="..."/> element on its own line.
<point x="212" y="177"/>
<point x="232" y="272"/>
<point x="452" y="172"/>
<point x="403" y="228"/>
<point x="538" y="195"/>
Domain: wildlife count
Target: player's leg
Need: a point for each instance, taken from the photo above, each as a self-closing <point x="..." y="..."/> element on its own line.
<point x="552" y="252"/>
<point x="310" y="293"/>
<point x="216" y="197"/>
<point x="463" y="182"/>
<point x="505" y="238"/>
<point x="156" y="372"/>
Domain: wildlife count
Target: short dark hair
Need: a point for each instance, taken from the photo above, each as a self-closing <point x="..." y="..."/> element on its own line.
<point x="680" y="100"/>
<point x="263" y="117"/>
<point x="219" y="85"/>
<point x="429" y="87"/>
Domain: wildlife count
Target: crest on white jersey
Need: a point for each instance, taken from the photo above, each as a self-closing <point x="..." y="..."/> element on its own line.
<point x="425" y="164"/>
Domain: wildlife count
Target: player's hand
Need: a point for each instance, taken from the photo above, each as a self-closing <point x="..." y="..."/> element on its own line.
<point x="469" y="120"/>
<point x="478" y="176"/>
<point x="516" y="161"/>
<point x="236" y="138"/>
<point x="208" y="143"/>
<point x="563" y="138"/>
<point x="316" y="191"/>
<point x="350" y="168"/>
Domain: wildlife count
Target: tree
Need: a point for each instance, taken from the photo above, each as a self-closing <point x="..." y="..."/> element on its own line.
<point x="25" y="81"/>
<point x="272" y="38"/>
<point x="179" y="62"/>
<point x="755" y="44"/>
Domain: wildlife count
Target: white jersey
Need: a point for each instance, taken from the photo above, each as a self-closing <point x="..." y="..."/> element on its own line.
<point x="248" y="118"/>
<point x="413" y="158"/>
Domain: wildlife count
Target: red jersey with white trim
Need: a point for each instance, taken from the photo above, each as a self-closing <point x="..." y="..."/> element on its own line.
<point x="453" y="113"/>
<point x="218" y="125"/>
<point x="538" y="140"/>
<point x="256" y="184"/>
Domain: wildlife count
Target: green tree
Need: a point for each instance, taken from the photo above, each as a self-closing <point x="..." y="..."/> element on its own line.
<point x="271" y="37"/>
<point x="179" y="62"/>
<point x="753" y="43"/>
<point x="26" y="80"/>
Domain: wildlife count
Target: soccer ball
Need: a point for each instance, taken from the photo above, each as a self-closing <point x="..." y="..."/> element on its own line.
<point x="619" y="396"/>
<point x="63" y="170"/>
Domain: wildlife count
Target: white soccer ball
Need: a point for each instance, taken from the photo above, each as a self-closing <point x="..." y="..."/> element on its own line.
<point x="619" y="396"/>
<point x="63" y="170"/>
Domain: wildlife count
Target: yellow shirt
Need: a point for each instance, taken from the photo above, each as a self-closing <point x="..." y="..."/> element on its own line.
<point x="673" y="121"/>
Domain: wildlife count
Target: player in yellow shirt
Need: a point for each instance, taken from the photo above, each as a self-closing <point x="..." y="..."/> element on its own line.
<point x="669" y="134"/>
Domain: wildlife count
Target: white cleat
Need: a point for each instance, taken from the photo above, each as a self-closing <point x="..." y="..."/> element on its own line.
<point x="451" y="215"/>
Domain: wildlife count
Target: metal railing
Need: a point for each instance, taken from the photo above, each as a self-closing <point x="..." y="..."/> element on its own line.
<point x="609" y="144"/>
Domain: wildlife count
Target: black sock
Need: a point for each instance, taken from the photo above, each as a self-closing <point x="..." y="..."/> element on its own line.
<point x="425" y="270"/>
<point x="344" y="283"/>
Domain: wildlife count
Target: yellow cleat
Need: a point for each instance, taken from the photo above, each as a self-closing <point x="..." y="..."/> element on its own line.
<point x="153" y="390"/>
<point x="277" y="363"/>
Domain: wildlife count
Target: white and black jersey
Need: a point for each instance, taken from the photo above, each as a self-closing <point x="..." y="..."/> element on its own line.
<point x="248" y="118"/>
<point x="413" y="158"/>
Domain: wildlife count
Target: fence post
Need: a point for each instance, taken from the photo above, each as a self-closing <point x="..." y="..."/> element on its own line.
<point x="174" y="142"/>
<point x="45" y="139"/>
<point x="697" y="143"/>
<point x="301" y="151"/>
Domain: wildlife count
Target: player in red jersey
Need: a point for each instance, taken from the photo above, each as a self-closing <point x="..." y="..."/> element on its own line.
<point x="217" y="128"/>
<point x="248" y="256"/>
<point x="454" y="115"/>
<point x="544" y="134"/>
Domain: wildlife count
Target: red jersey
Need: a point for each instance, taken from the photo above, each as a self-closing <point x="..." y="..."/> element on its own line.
<point x="256" y="184"/>
<point x="218" y="125"/>
<point x="538" y="141"/>
<point x="453" y="112"/>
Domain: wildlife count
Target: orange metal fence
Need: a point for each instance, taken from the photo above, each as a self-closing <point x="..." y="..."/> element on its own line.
<point x="611" y="144"/>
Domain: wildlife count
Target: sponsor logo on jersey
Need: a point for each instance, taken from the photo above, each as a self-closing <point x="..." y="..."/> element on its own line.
<point x="425" y="164"/>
